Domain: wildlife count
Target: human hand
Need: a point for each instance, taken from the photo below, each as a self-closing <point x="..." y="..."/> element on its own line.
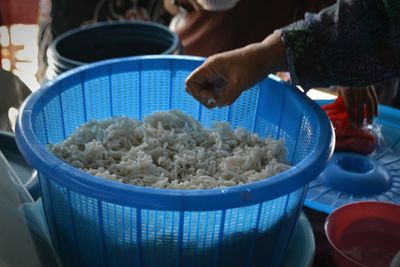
<point x="361" y="103"/>
<point x="223" y="77"/>
<point x="219" y="81"/>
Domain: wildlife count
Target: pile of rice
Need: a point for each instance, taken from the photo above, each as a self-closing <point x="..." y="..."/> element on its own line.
<point x="171" y="150"/>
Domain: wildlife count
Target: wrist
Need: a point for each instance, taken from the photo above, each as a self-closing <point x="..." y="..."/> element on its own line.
<point x="261" y="59"/>
<point x="273" y="54"/>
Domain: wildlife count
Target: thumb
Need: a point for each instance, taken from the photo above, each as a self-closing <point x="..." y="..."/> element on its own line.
<point x="199" y="84"/>
<point x="197" y="80"/>
<point x="198" y="76"/>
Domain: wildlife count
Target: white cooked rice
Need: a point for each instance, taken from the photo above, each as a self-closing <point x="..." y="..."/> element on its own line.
<point x="171" y="150"/>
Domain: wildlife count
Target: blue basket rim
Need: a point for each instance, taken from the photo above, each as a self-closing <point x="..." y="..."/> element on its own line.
<point x="172" y="199"/>
<point x="52" y="48"/>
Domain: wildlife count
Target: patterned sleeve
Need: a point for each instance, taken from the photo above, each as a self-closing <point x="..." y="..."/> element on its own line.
<point x="352" y="43"/>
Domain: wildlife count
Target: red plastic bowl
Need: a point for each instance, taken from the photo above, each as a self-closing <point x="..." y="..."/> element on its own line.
<point x="364" y="234"/>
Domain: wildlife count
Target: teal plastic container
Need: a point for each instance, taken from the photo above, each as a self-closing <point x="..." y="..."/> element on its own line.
<point x="107" y="40"/>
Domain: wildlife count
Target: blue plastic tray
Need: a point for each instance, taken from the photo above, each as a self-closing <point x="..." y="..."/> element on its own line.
<point x="351" y="177"/>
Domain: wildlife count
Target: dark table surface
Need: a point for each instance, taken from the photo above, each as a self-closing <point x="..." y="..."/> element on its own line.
<point x="323" y="257"/>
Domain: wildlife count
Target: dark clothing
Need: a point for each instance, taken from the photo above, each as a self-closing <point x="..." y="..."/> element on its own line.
<point x="352" y="43"/>
<point x="389" y="92"/>
<point x="69" y="14"/>
<point x="207" y="33"/>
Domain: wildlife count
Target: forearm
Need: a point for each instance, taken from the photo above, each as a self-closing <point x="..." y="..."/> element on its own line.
<point x="266" y="57"/>
<point x="273" y="52"/>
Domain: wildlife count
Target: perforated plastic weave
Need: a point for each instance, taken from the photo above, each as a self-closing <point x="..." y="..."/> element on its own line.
<point x="98" y="222"/>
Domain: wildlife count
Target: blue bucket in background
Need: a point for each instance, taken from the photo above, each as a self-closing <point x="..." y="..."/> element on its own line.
<point x="107" y="40"/>
<point x="98" y="222"/>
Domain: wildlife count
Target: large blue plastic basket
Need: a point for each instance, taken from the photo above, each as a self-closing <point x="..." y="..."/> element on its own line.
<point x="98" y="222"/>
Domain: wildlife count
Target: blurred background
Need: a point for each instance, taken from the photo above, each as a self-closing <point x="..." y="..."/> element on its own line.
<point x="28" y="28"/>
<point x="18" y="38"/>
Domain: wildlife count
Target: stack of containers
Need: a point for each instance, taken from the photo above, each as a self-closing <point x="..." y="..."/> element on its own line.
<point x="108" y="40"/>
